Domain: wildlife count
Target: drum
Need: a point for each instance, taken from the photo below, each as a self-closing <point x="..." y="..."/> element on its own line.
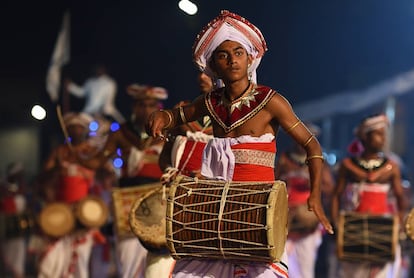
<point x="91" y="212"/>
<point x="16" y="225"/>
<point x="368" y="238"/>
<point x="147" y="219"/>
<point x="123" y="199"/>
<point x="409" y="224"/>
<point x="301" y="220"/>
<point x="57" y="219"/>
<point x="227" y="220"/>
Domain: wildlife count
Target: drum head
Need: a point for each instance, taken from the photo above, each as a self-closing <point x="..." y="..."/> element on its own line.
<point x="56" y="219"/>
<point x="92" y="212"/>
<point x="409" y="225"/>
<point x="147" y="219"/>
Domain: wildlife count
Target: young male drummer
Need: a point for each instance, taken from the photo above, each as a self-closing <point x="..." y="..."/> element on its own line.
<point x="369" y="176"/>
<point x="245" y="116"/>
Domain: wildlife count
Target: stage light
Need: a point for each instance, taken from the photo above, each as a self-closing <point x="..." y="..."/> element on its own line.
<point x="118" y="162"/>
<point x="188" y="7"/>
<point x="38" y="112"/>
<point x="94" y="126"/>
<point x="115" y="126"/>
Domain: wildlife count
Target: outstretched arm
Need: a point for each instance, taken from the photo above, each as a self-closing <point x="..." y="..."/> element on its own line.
<point x="283" y="113"/>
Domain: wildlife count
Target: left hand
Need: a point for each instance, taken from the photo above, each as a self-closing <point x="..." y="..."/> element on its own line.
<point x="314" y="204"/>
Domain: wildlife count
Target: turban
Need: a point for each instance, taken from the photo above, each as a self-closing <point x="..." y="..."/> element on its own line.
<point x="228" y="26"/>
<point x="82" y="119"/>
<point x="140" y="92"/>
<point x="370" y="124"/>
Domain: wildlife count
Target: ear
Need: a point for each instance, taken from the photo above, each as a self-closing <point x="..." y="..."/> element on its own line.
<point x="213" y="67"/>
<point x="249" y="59"/>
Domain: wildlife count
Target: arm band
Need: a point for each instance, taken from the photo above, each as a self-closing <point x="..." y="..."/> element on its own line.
<point x="308" y="141"/>
<point x="293" y="126"/>
<point x="315" y="156"/>
<point x="170" y="118"/>
<point x="182" y="115"/>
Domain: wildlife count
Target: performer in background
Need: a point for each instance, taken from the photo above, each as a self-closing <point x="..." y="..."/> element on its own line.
<point x="100" y="92"/>
<point x="245" y="116"/>
<point x="71" y="182"/>
<point x="140" y="153"/>
<point x="363" y="184"/>
<point x="305" y="235"/>
<point x="13" y="205"/>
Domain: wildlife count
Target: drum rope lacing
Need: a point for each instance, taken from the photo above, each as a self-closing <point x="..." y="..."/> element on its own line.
<point x="220" y="216"/>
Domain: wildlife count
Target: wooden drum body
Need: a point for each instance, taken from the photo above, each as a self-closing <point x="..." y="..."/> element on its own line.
<point x="368" y="238"/>
<point x="237" y="220"/>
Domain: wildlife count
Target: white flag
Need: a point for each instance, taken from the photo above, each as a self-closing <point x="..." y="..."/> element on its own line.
<point x="60" y="57"/>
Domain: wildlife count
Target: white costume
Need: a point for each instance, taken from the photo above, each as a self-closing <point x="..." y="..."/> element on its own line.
<point x="100" y="95"/>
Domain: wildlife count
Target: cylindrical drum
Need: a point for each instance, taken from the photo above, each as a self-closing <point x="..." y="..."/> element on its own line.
<point x="227" y="220"/>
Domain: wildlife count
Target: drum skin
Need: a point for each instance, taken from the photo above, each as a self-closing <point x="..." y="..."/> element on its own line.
<point x="92" y="212"/>
<point x="147" y="219"/>
<point x="57" y="219"/>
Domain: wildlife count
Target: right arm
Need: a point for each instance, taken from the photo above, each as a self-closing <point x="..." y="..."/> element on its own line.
<point x="164" y="120"/>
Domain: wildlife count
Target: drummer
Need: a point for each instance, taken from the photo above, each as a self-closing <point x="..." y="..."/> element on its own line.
<point x="245" y="116"/>
<point x="13" y="202"/>
<point x="70" y="182"/>
<point x="140" y="153"/>
<point x="367" y="177"/>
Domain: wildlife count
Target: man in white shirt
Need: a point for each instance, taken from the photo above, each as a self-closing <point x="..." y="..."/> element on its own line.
<point x="99" y="92"/>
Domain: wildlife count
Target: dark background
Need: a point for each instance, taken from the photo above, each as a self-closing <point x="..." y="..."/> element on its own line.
<point x="316" y="48"/>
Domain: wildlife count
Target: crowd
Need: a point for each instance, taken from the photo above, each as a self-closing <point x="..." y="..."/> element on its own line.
<point x="75" y="219"/>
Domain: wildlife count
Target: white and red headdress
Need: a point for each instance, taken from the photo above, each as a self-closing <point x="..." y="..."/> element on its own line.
<point x="228" y="26"/>
<point x="139" y="92"/>
<point x="370" y="124"/>
<point x="77" y="118"/>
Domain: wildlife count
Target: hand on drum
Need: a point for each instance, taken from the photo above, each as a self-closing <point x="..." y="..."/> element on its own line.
<point x="314" y="204"/>
<point x="169" y="175"/>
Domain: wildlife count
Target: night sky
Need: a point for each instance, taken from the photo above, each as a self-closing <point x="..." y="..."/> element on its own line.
<point x="316" y="48"/>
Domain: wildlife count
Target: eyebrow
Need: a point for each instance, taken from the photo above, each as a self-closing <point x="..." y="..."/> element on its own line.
<point x="234" y="49"/>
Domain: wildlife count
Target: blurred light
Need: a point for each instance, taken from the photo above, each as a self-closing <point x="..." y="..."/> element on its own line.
<point x="188" y="7"/>
<point x="114" y="126"/>
<point x="93" y="126"/>
<point x="38" y="112"/>
<point x="119" y="152"/>
<point x="118" y="162"/>
<point x="330" y="158"/>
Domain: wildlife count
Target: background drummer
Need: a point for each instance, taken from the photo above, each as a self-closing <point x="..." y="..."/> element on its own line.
<point x="66" y="180"/>
<point x="141" y="154"/>
<point x="13" y="202"/>
<point x="304" y="237"/>
<point x="367" y="177"/>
